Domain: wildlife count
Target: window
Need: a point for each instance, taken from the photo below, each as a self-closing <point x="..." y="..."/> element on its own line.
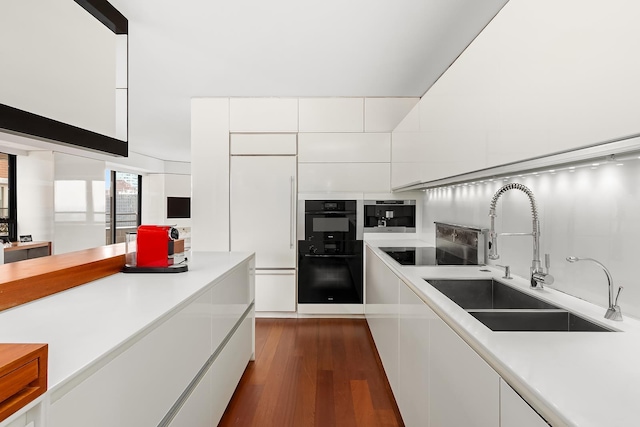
<point x="123" y="204"/>
<point x="8" y="210"/>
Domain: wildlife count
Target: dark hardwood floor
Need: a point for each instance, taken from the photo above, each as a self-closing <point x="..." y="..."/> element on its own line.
<point x="313" y="373"/>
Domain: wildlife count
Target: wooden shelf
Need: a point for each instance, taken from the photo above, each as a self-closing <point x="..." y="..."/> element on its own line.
<point x="17" y="246"/>
<point x="31" y="279"/>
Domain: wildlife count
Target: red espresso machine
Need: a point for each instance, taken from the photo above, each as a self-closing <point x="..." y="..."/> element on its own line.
<point x="154" y="247"/>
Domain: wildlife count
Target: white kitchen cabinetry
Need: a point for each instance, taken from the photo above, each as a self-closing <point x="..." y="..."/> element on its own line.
<point x="463" y="389"/>
<point x="384" y="114"/>
<point x="263" y="202"/>
<point x="263" y="194"/>
<point x="498" y="104"/>
<point x="344" y="147"/>
<point x="438" y="380"/>
<point x="263" y="144"/>
<point x="413" y="357"/>
<point x="208" y="401"/>
<point x="331" y="115"/>
<point x="263" y="114"/>
<point x="276" y="290"/>
<point x="515" y="412"/>
<point x="381" y="311"/>
<point x="140" y="385"/>
<point x="344" y="177"/>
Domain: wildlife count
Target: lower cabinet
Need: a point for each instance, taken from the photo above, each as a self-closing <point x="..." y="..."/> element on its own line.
<point x="381" y="311"/>
<point x="144" y="384"/>
<point x="206" y="405"/>
<point x="276" y="290"/>
<point x="515" y="412"/>
<point x="413" y="357"/>
<point x="437" y="379"/>
<point x="463" y="389"/>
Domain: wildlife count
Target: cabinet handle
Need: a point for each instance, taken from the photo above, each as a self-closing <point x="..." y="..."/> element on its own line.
<point x="291" y="212"/>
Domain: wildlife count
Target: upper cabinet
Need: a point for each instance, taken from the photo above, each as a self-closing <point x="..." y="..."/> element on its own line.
<point x="384" y="114"/>
<point x="263" y="114"/>
<point x="540" y="79"/>
<point x="344" y="148"/>
<point x="331" y="114"/>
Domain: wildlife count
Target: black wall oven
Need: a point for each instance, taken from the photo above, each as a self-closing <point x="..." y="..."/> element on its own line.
<point x="330" y="256"/>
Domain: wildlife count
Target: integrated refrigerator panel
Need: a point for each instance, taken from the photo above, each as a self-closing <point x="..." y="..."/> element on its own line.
<point x="263" y="209"/>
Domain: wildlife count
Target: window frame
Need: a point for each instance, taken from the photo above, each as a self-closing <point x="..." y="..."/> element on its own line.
<point x="12" y="218"/>
<point x="113" y="207"/>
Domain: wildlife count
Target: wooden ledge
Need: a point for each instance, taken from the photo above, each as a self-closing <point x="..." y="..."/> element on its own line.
<point x="23" y="375"/>
<point x="16" y="246"/>
<point x="25" y="281"/>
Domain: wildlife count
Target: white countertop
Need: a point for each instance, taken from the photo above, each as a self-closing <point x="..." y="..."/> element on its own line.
<point x="86" y="324"/>
<point x="573" y="378"/>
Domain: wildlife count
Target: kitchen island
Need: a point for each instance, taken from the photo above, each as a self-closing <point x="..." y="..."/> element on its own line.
<point x="448" y="369"/>
<point x="141" y="349"/>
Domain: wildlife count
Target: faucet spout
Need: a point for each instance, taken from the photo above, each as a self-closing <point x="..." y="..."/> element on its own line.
<point x="538" y="276"/>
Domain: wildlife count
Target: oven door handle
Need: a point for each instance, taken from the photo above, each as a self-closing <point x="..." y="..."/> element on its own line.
<point x="330" y="256"/>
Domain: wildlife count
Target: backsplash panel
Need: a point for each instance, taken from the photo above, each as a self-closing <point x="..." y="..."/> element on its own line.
<point x="590" y="211"/>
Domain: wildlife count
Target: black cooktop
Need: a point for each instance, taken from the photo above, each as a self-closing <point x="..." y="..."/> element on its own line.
<point x="420" y="256"/>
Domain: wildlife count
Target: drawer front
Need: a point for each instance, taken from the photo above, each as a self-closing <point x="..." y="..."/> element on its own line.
<point x="17" y="380"/>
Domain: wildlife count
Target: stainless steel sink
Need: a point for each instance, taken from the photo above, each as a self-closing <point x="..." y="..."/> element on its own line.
<point x="536" y="320"/>
<point x="486" y="294"/>
<point x="503" y="308"/>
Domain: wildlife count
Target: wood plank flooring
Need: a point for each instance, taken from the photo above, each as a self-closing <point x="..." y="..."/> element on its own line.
<point x="313" y="373"/>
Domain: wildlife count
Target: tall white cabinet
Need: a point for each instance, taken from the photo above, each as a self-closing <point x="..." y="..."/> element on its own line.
<point x="262" y="213"/>
<point x="344" y="147"/>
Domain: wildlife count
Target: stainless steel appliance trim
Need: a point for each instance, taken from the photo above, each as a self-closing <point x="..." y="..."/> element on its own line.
<point x="359" y="219"/>
<point x="389" y="202"/>
<point x="390" y="229"/>
<point x="301" y="218"/>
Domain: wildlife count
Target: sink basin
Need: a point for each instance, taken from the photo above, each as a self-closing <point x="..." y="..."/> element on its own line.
<point x="486" y="294"/>
<point x="503" y="308"/>
<point x="536" y="320"/>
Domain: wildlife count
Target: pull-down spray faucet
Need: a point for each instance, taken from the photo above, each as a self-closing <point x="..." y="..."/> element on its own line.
<point x="538" y="276"/>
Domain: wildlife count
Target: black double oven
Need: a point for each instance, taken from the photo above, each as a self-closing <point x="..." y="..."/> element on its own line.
<point x="330" y="256"/>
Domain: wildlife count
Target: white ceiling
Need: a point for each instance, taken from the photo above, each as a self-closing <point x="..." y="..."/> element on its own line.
<point x="196" y="48"/>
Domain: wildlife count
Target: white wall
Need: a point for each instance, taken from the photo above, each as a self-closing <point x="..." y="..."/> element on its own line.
<point x="156" y="188"/>
<point x="79" y="203"/>
<point x="586" y="213"/>
<point x="35" y="174"/>
<point x="210" y="171"/>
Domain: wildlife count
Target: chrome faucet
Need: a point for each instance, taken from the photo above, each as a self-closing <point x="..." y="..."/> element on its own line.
<point x="539" y="277"/>
<point x="613" y="312"/>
